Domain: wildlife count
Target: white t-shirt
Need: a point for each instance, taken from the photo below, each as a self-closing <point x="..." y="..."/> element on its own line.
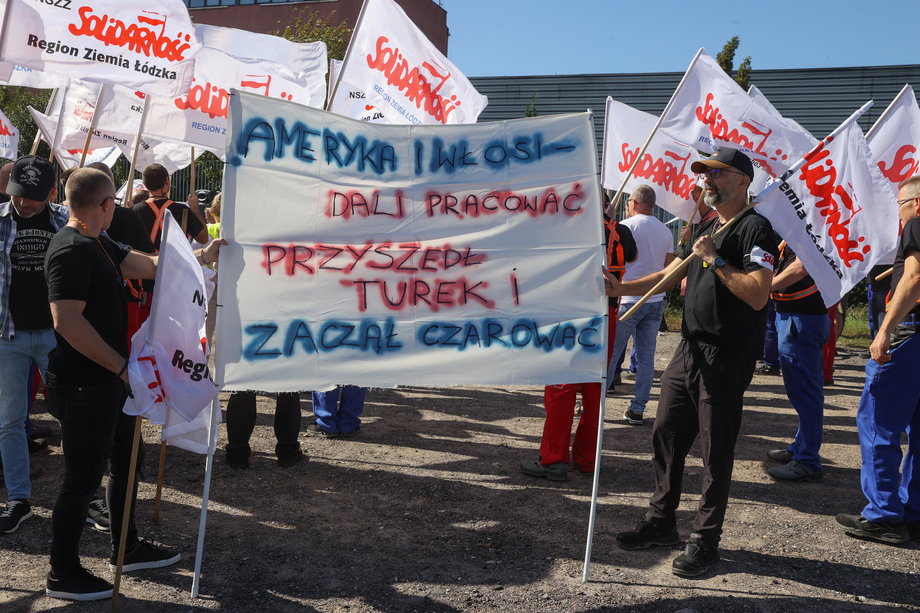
<point x="653" y="242"/>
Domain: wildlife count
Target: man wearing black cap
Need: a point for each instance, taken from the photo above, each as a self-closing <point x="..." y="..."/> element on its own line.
<point x="27" y="224"/>
<point x="702" y="389"/>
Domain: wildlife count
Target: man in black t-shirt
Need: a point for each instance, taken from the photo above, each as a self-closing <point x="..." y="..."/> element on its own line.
<point x="890" y="402"/>
<point x="88" y="383"/>
<point x="702" y="389"/>
<point x="802" y="328"/>
<point x="27" y="224"/>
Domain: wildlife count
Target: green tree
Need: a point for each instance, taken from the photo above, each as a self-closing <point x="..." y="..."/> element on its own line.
<point x="531" y="109"/>
<point x="313" y="27"/>
<point x="13" y="103"/>
<point x="726" y="59"/>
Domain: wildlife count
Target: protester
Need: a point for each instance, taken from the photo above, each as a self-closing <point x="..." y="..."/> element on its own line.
<point x="655" y="247"/>
<point x="88" y="382"/>
<point x="241" y="420"/>
<point x="702" y="389"/>
<point x="151" y="212"/>
<point x="802" y="329"/>
<point x="27" y="224"/>
<point x="212" y="215"/>
<point x="890" y="402"/>
<point x="559" y="400"/>
<point x="338" y="411"/>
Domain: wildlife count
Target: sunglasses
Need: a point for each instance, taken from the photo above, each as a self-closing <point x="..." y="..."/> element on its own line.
<point x="716" y="172"/>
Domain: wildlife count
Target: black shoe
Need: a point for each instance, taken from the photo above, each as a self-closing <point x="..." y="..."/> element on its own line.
<point x="97" y="515"/>
<point x="38" y="446"/>
<point x="633" y="418"/>
<point x="697" y="558"/>
<point x="78" y="585"/>
<point x="146" y="555"/>
<point x="913" y="531"/>
<point x="553" y="472"/>
<point x="236" y="459"/>
<point x="766" y="369"/>
<point x="288" y="461"/>
<point x="783" y="456"/>
<point x="618" y="379"/>
<point x="350" y="433"/>
<point x="795" y="472"/>
<point x="314" y="430"/>
<point x="648" y="534"/>
<point x="16" y="512"/>
<point x="889" y="532"/>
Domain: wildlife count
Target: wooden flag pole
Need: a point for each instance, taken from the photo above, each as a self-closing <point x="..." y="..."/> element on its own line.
<point x="884" y="275"/>
<point x="129" y="191"/>
<point x="92" y="126"/>
<point x="126" y="513"/>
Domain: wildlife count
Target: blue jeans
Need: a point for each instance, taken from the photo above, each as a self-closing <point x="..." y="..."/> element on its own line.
<point x="771" y="338"/>
<point x="16" y="357"/>
<point x="890" y="406"/>
<point x="337" y="417"/>
<point x="801" y="338"/>
<point x="643" y="326"/>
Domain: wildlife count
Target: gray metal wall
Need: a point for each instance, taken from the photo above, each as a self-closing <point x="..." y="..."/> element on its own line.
<point x="818" y="98"/>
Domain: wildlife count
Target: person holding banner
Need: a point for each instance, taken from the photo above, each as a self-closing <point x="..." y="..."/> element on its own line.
<point x="88" y="382"/>
<point x="559" y="400"/>
<point x="27" y="224"/>
<point x="702" y="389"/>
<point x="802" y="329"/>
<point x="157" y="182"/>
<point x="890" y="403"/>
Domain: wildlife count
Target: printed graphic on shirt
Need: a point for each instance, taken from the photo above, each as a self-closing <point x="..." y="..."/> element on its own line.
<point x="29" y="247"/>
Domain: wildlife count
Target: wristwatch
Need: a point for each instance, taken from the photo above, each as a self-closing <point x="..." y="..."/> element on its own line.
<point x="717" y="262"/>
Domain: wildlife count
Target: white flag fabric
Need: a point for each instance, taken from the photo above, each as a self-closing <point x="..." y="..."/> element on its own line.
<point x="23" y="76"/>
<point x="118" y="118"/>
<point x="422" y="255"/>
<point x="401" y="72"/>
<point x="168" y="367"/>
<point x="711" y="110"/>
<point x="665" y="165"/>
<point x="70" y="158"/>
<point x="895" y="138"/>
<point x="229" y="58"/>
<point x="147" y="46"/>
<point x="9" y="138"/>
<point x="353" y="102"/>
<point x="836" y="212"/>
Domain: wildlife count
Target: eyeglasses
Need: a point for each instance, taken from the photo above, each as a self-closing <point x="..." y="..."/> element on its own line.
<point x="716" y="172"/>
<point x="903" y="200"/>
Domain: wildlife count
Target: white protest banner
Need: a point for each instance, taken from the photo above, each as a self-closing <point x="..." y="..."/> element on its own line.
<point x="712" y="110"/>
<point x="147" y="46"/>
<point x="895" y="137"/>
<point x="665" y="164"/>
<point x="23" y="76"/>
<point x="420" y="255"/>
<point x="168" y="366"/>
<point x="353" y="102"/>
<point x="70" y="158"/>
<point x="402" y="73"/>
<point x="9" y="138"/>
<point x="269" y="65"/>
<point x="836" y="212"/>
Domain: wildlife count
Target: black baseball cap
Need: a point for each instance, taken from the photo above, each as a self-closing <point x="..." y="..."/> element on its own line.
<point x="32" y="178"/>
<point x="726" y="157"/>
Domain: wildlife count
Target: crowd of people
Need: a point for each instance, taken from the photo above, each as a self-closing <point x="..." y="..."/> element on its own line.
<point x="76" y="283"/>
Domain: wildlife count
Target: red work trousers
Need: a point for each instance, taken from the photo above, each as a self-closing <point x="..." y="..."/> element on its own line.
<point x="559" y="402"/>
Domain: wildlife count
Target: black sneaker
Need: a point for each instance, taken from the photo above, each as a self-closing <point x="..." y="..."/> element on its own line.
<point x="766" y="369"/>
<point x="146" y="555"/>
<point x="291" y="460"/>
<point x="648" y="534"/>
<point x="554" y="472"/>
<point x="783" y="456"/>
<point x="633" y="418"/>
<point x="315" y="430"/>
<point x="890" y="532"/>
<point x="78" y="585"/>
<point x="16" y="512"/>
<point x="237" y="459"/>
<point x="697" y="558"/>
<point x="794" y="472"/>
<point x="97" y="515"/>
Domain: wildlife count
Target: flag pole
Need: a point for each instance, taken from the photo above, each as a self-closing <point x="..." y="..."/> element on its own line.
<point x="681" y="268"/>
<point x="92" y="125"/>
<point x="38" y="133"/>
<point x="648" y="141"/>
<point x="206" y="494"/>
<point x="881" y="119"/>
<point x="348" y="51"/>
<point x="129" y="190"/>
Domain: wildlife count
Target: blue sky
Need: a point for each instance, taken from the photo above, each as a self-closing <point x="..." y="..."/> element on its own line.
<point x="533" y="37"/>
